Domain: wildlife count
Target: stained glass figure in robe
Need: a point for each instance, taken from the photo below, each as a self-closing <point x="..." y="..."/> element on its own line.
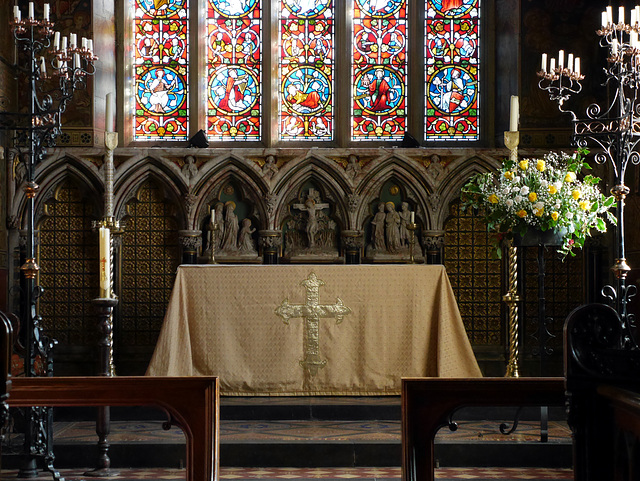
<point x="160" y="70"/>
<point x="379" y="69"/>
<point x="235" y="63"/>
<point x="306" y="70"/>
<point x="452" y="69"/>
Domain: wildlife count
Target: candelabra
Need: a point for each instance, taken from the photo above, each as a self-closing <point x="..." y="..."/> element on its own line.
<point x="411" y="227"/>
<point x="615" y="130"/>
<point x="53" y="72"/>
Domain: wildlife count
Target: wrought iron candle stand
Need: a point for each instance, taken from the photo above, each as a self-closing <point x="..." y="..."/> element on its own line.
<point x="53" y="74"/>
<point x="614" y="129"/>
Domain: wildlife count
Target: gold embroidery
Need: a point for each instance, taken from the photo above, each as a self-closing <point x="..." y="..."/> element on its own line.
<point x="311" y="312"/>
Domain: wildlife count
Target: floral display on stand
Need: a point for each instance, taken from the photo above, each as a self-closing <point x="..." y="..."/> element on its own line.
<point x="544" y="194"/>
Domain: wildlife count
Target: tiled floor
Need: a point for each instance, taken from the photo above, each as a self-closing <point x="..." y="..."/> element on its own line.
<point x="363" y="474"/>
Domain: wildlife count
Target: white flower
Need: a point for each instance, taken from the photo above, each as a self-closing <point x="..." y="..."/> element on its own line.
<point x="538" y="205"/>
<point x="557" y="185"/>
<point x="509" y="203"/>
<point x="569" y="215"/>
<point x="544" y="183"/>
<point x="524" y="190"/>
<point x="517" y="199"/>
<point x="516" y="179"/>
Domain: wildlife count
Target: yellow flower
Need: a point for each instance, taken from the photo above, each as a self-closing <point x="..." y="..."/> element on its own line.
<point x="575" y="194"/>
<point x="552" y="189"/>
<point x="522" y="213"/>
<point x="493" y="198"/>
<point x="533" y="196"/>
<point x="524" y="164"/>
<point x="509" y="175"/>
<point x="554" y="215"/>
<point x="540" y="165"/>
<point x="585" y="205"/>
<point x="570" y="177"/>
<point x="539" y="212"/>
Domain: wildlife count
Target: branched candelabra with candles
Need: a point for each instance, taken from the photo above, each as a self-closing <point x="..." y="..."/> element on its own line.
<point x="54" y="68"/>
<point x="614" y="129"/>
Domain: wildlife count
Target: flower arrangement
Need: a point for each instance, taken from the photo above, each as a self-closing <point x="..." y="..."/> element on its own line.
<point x="543" y="194"/>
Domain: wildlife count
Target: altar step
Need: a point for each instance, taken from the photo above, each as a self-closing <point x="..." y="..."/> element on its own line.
<point x="310" y="432"/>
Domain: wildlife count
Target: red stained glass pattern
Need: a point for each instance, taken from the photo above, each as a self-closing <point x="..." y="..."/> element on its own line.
<point x="306" y="70"/>
<point x="452" y="70"/>
<point x="160" y="69"/>
<point x="379" y="69"/>
<point x="234" y="45"/>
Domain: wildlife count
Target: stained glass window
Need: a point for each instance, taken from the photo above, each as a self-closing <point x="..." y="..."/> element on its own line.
<point x="234" y="45"/>
<point x="306" y="62"/>
<point x="452" y="69"/>
<point x="160" y="69"/>
<point x="379" y="69"/>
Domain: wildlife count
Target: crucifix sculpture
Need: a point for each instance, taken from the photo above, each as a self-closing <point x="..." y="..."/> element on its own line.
<point x="311" y="312"/>
<point x="311" y="206"/>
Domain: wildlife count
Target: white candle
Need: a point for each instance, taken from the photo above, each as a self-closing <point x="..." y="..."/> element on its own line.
<point x="621" y="15"/>
<point x="72" y="41"/>
<point x="515" y="112"/>
<point x="16" y="13"/>
<point x="577" y="66"/>
<point x="109" y="113"/>
<point x="105" y="262"/>
<point x="570" y="62"/>
<point x="634" y="19"/>
<point x="413" y="217"/>
<point x="637" y="9"/>
<point x="56" y="41"/>
<point x="84" y="43"/>
<point x="633" y="39"/>
<point x="76" y="60"/>
<point x="31" y="11"/>
<point x="64" y="44"/>
<point x="561" y="59"/>
<point x="609" y="15"/>
<point x="604" y="19"/>
<point x="43" y="67"/>
<point x="90" y="45"/>
<point x="552" y="64"/>
<point x="46" y="12"/>
<point x="614" y="46"/>
<point x="544" y="62"/>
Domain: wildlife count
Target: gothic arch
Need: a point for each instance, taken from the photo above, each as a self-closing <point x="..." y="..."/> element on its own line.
<point x="320" y="171"/>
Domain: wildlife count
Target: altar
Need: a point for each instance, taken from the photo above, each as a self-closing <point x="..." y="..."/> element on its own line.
<point x="354" y="330"/>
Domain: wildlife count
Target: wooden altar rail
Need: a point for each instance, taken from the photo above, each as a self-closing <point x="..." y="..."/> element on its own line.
<point x="427" y="404"/>
<point x="192" y="403"/>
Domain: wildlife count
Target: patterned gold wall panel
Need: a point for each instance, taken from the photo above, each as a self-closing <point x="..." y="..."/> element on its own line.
<point x="150" y="256"/>
<point x="474" y="276"/>
<point x="69" y="266"/>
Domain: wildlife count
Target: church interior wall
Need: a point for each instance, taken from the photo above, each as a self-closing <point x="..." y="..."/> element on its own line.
<point x="182" y="185"/>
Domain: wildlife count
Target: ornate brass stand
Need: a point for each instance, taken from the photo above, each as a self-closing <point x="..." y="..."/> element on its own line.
<point x="214" y="228"/>
<point x="511" y="298"/>
<point x="411" y="227"/>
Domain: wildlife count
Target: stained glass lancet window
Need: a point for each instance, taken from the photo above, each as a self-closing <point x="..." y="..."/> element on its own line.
<point x="160" y="69"/>
<point x="379" y="69"/>
<point x="234" y="45"/>
<point x="452" y="69"/>
<point x="306" y="69"/>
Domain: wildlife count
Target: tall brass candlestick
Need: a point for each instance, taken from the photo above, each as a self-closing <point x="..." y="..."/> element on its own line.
<point x="411" y="227"/>
<point x="511" y="298"/>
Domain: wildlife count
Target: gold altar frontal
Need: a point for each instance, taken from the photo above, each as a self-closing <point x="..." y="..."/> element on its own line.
<point x="288" y="330"/>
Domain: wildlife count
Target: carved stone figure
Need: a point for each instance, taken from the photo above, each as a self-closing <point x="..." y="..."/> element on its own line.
<point x="269" y="169"/>
<point x="405" y="218"/>
<point x="245" y="240"/>
<point x="353" y="166"/>
<point x="189" y="169"/>
<point x="435" y="169"/>
<point x="311" y="207"/>
<point x="392" y="223"/>
<point x="377" y="231"/>
<point x="230" y="235"/>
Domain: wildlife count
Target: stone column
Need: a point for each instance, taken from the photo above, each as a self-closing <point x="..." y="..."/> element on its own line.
<point x="190" y="240"/>
<point x="352" y="241"/>
<point x="270" y="242"/>
<point x="434" y="244"/>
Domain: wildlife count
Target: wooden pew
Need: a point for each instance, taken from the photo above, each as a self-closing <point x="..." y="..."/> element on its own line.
<point x="190" y="402"/>
<point x="427" y="404"/>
